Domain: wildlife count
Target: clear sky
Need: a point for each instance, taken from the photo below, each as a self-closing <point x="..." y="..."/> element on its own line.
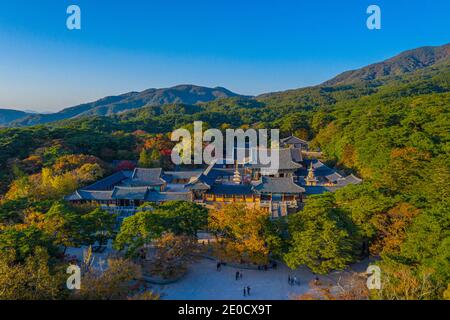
<point x="248" y="46"/>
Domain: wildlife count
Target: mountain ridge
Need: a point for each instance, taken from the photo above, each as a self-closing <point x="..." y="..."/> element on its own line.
<point x="110" y="105"/>
<point x="404" y="63"/>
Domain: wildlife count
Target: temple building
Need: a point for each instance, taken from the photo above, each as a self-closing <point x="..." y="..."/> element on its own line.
<point x="280" y="192"/>
<point x="294" y="142"/>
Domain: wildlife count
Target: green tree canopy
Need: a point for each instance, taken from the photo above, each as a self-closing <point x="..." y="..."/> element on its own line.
<point x="321" y="237"/>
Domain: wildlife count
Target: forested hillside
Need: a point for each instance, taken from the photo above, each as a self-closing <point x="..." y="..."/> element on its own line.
<point x="393" y="131"/>
<point x="188" y="94"/>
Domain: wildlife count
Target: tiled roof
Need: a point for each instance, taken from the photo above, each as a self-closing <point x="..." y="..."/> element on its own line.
<point x="110" y="182"/>
<point x="320" y="170"/>
<point x="130" y="193"/>
<point x="278" y="185"/>
<point x="333" y="177"/>
<point x="293" y="140"/>
<point x="169" y="175"/>
<point x="145" y="177"/>
<point x="205" y="180"/>
<point x="90" y="195"/>
<point x="351" y="179"/>
<point x="286" y="161"/>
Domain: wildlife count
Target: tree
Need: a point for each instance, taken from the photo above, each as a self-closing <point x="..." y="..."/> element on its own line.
<point x="349" y="287"/>
<point x="99" y="226"/>
<point x="11" y="211"/>
<point x="23" y="241"/>
<point x="117" y="282"/>
<point x="155" y="157"/>
<point x="427" y="245"/>
<point x="405" y="169"/>
<point x="178" y="217"/>
<point x="446" y="294"/>
<point x="170" y="255"/>
<point x="64" y="225"/>
<point x="31" y="279"/>
<point x="391" y="228"/>
<point x="125" y="165"/>
<point x="145" y="159"/>
<point x="240" y="233"/>
<point x="321" y="237"/>
<point x="136" y="231"/>
<point x="402" y="282"/>
<point x="182" y="217"/>
<point x="363" y="204"/>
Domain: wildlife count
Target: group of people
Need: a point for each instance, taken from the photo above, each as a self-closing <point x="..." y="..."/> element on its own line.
<point x="293" y="280"/>
<point x="238" y="276"/>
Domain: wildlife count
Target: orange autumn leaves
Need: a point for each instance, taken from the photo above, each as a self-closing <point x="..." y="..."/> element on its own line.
<point x="240" y="233"/>
<point x="391" y="228"/>
<point x="67" y="174"/>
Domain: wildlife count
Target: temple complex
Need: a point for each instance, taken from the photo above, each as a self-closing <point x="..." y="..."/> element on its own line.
<point x="280" y="192"/>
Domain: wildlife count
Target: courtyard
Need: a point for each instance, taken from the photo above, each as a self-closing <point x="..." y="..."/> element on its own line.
<point x="204" y="282"/>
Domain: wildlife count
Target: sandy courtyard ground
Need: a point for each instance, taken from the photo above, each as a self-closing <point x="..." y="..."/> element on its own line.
<point x="203" y="282"/>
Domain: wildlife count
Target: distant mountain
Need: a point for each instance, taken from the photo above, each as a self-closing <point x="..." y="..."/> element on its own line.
<point x="350" y="84"/>
<point x="405" y="62"/>
<point x="184" y="94"/>
<point x="7" y="116"/>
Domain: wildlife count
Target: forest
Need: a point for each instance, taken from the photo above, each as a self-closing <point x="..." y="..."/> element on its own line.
<point x="393" y="131"/>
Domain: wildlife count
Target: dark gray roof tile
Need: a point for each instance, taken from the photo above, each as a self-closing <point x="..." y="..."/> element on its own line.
<point x="145" y="177"/>
<point x="110" y="182"/>
<point x="278" y="185"/>
<point x="130" y="193"/>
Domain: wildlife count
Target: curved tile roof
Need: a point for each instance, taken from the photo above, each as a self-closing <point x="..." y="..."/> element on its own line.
<point x="129" y="193"/>
<point x="278" y="185"/>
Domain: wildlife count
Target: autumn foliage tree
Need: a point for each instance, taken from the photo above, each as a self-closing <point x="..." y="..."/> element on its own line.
<point x="240" y="233"/>
<point x="67" y="174"/>
<point x="391" y="228"/>
<point x="116" y="282"/>
<point x="31" y="279"/>
<point x="170" y="255"/>
<point x="350" y="287"/>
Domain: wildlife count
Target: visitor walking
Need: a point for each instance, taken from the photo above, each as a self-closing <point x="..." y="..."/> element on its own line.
<point x="245" y="291"/>
<point x="240" y="274"/>
<point x="237" y="275"/>
<point x="289" y="279"/>
<point x="295" y="280"/>
<point x="248" y="290"/>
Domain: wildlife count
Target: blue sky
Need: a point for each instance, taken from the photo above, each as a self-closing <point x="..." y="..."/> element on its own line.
<point x="248" y="46"/>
